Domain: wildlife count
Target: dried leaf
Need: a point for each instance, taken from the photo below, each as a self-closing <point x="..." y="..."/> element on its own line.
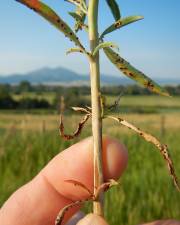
<point x="63" y="211"/>
<point x="47" y="13"/>
<point x="105" y="187"/>
<point x="133" y="73"/>
<point x="116" y="103"/>
<point x="104" y="45"/>
<point x="162" y="147"/>
<point x="121" y="23"/>
<point x="77" y="131"/>
<point x="114" y="9"/>
<point x="80" y="109"/>
<point x="77" y="183"/>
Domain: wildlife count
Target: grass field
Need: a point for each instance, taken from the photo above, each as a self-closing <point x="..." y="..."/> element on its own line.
<point x="28" y="142"/>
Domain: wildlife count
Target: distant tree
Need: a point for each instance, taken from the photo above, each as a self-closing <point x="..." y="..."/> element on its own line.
<point x="33" y="103"/>
<point x="72" y="97"/>
<point x="6" y="101"/>
<point x="24" y="86"/>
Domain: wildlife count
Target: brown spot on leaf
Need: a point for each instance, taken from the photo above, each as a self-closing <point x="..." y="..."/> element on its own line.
<point x="131" y="74"/>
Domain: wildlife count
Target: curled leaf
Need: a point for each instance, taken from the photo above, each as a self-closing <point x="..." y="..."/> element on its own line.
<point x="47" y="13"/>
<point x="114" y="9"/>
<point x="71" y="50"/>
<point x="77" y="183"/>
<point x="105" y="187"/>
<point x="80" y="109"/>
<point x="77" y="131"/>
<point x="104" y="45"/>
<point x="133" y="73"/>
<point x="63" y="211"/>
<point x="120" y="23"/>
<point x="161" y="147"/>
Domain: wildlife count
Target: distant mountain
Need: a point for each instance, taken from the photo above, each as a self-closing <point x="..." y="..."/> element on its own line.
<point x="58" y="76"/>
<point x="64" y="76"/>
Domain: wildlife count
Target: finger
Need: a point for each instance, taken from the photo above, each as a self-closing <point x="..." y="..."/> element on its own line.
<point x="92" y="219"/>
<point x="76" y="163"/>
<point x="39" y="201"/>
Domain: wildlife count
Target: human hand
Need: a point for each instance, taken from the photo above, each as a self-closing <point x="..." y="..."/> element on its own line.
<point x="39" y="201"/>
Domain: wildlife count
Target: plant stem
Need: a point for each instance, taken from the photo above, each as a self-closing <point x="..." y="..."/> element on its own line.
<point x="96" y="106"/>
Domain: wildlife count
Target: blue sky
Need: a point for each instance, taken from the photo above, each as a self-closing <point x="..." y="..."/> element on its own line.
<point x="27" y="42"/>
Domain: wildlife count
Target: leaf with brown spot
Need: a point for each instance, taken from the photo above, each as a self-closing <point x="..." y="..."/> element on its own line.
<point x="121" y="23"/>
<point x="104" y="45"/>
<point x="133" y="73"/>
<point x="47" y="13"/>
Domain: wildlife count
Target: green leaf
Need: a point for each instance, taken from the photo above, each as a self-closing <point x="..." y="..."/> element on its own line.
<point x="133" y="73"/>
<point x="75" y="15"/>
<point x="47" y="13"/>
<point x="80" y="23"/>
<point x="120" y="23"/>
<point x="104" y="45"/>
<point x="71" y="50"/>
<point x="79" y="17"/>
<point x="114" y="9"/>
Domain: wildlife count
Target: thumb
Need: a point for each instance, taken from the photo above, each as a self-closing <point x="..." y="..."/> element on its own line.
<point x="92" y="219"/>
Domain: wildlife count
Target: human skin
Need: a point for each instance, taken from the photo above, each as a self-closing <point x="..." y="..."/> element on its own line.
<point x="39" y="201"/>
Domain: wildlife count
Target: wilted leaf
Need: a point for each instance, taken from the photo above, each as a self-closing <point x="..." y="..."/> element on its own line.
<point x="83" y="110"/>
<point x="104" y="45"/>
<point x="81" y="185"/>
<point x="120" y="23"/>
<point x="114" y="9"/>
<point x="133" y="73"/>
<point x="76" y="132"/>
<point x="63" y="211"/>
<point x="46" y="12"/>
<point x="161" y="147"/>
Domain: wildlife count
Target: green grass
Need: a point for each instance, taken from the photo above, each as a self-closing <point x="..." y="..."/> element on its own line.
<point x="126" y="100"/>
<point x="49" y="96"/>
<point x="146" y="192"/>
<point x="145" y="104"/>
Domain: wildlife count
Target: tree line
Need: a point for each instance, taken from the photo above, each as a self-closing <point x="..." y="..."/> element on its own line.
<point x="73" y="96"/>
